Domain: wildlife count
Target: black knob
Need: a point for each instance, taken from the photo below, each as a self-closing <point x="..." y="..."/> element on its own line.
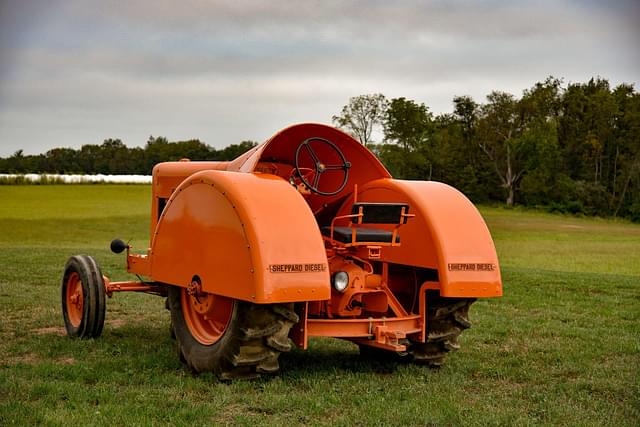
<point x="117" y="246"/>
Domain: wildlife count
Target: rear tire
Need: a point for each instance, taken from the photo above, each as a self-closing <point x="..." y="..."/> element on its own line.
<point x="247" y="346"/>
<point x="83" y="297"/>
<point x="447" y="319"/>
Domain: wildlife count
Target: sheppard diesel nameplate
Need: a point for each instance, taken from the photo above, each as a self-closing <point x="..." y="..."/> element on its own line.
<point x="297" y="268"/>
<point x="471" y="267"/>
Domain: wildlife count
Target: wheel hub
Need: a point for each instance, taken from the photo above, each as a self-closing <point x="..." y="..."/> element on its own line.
<point x="202" y="304"/>
<point x="75" y="299"/>
<point x="206" y="315"/>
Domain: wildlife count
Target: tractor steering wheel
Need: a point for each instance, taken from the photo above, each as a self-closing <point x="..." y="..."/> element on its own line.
<point x="319" y="167"/>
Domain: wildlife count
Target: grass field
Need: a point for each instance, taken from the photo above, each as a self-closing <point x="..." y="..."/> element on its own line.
<point x="562" y="347"/>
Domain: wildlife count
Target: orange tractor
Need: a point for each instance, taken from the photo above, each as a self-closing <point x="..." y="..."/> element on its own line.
<point x="306" y="235"/>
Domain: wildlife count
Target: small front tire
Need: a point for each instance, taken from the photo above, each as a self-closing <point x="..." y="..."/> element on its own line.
<point x="83" y="297"/>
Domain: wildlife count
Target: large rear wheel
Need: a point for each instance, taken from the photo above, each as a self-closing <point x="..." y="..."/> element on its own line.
<point x="234" y="339"/>
<point x="447" y="318"/>
<point x="83" y="297"/>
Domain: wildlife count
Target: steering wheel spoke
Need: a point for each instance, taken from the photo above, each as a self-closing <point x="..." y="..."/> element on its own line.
<point x="336" y="167"/>
<point x="316" y="179"/>
<point x="312" y="153"/>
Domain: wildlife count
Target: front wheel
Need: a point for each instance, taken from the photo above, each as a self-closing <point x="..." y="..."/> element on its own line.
<point x="234" y="339"/>
<point x="83" y="297"/>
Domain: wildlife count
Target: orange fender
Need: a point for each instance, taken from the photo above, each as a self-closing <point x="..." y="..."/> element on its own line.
<point x="447" y="233"/>
<point x="246" y="236"/>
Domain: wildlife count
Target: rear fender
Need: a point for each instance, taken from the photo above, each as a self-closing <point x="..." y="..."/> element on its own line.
<point x="246" y="236"/>
<point x="447" y="233"/>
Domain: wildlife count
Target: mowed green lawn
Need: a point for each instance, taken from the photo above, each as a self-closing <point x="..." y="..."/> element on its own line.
<point x="562" y="347"/>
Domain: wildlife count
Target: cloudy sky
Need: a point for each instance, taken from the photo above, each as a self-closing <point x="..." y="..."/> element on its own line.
<point x="77" y="72"/>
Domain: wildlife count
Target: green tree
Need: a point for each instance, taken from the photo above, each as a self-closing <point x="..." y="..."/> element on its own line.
<point x="62" y="160"/>
<point x="539" y="109"/>
<point x="516" y="133"/>
<point x="585" y="130"/>
<point x="16" y="162"/>
<point x="625" y="182"/>
<point x="113" y="158"/>
<point x="361" y="115"/>
<point x="234" y="150"/>
<point x="460" y="162"/>
<point x="498" y="136"/>
<point x="410" y="126"/>
<point x="465" y="109"/>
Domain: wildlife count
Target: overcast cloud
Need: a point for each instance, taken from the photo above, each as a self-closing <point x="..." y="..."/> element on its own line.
<point x="77" y="72"/>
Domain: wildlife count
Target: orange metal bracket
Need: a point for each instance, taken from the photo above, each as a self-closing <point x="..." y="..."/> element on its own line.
<point x="385" y="338"/>
<point x="138" y="264"/>
<point x="132" y="286"/>
<point x="377" y="332"/>
<point x="423" y="305"/>
<point x="298" y="332"/>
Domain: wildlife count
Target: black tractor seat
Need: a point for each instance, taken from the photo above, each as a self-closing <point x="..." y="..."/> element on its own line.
<point x="370" y="213"/>
<point x="372" y="235"/>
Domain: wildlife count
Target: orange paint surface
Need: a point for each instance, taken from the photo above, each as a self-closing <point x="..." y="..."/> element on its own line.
<point x="249" y="229"/>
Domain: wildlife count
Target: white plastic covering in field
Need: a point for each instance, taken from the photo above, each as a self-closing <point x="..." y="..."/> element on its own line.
<point x="122" y="179"/>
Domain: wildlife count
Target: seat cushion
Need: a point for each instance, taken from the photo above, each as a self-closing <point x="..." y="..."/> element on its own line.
<point x="374" y="235"/>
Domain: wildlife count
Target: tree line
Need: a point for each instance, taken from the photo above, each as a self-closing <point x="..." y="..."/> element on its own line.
<point x="113" y="157"/>
<point x="573" y="148"/>
<point x="570" y="148"/>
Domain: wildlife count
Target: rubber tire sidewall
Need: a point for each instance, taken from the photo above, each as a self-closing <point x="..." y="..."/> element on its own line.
<point x="93" y="294"/>
<point x="199" y="357"/>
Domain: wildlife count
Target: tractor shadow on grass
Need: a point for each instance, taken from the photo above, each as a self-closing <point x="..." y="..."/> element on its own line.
<point x="327" y="359"/>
